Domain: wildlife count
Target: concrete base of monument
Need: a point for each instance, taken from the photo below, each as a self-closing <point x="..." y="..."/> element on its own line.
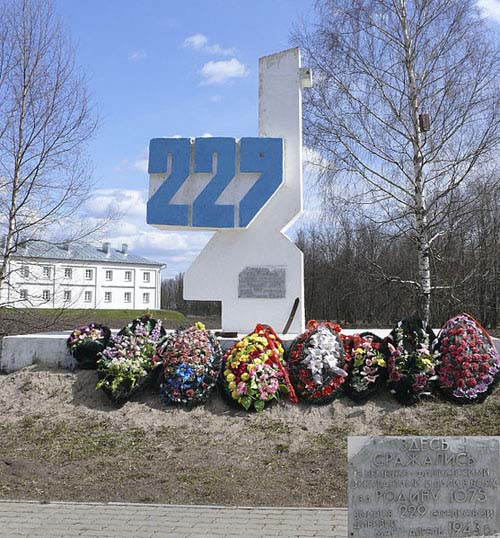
<point x="49" y="349"/>
<point x="287" y="339"/>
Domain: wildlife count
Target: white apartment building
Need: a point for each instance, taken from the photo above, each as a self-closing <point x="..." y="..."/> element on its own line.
<point x="81" y="276"/>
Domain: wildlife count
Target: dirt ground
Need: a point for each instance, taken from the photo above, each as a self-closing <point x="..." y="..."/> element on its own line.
<point x="60" y="439"/>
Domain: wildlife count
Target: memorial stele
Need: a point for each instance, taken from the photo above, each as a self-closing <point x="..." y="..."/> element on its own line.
<point x="248" y="191"/>
<point x="423" y="486"/>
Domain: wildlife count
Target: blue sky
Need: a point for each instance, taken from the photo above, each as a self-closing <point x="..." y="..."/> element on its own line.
<point x="165" y="68"/>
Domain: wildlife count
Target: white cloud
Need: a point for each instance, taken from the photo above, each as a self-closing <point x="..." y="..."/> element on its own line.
<point x="218" y="50"/>
<point x="137" y="55"/>
<point x="123" y="165"/>
<point x="207" y="135"/>
<point x="313" y="161"/>
<point x="130" y="203"/>
<point x="199" y="42"/>
<point x="141" y="164"/>
<point x="196" y="42"/>
<point x="222" y="71"/>
<point x="490" y="8"/>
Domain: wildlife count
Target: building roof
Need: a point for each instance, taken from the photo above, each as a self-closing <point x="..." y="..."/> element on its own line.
<point x="82" y="252"/>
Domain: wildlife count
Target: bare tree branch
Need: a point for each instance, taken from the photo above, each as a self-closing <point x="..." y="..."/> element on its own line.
<point x="380" y="64"/>
<point x="46" y="119"/>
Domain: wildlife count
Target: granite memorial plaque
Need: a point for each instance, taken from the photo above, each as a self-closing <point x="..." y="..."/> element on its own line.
<point x="265" y="282"/>
<point x="424" y="486"/>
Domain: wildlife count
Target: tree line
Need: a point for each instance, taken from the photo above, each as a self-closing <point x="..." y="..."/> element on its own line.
<point x="360" y="274"/>
<point x="172" y="299"/>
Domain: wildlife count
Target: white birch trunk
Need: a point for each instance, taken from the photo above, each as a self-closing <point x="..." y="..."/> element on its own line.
<point x="421" y="224"/>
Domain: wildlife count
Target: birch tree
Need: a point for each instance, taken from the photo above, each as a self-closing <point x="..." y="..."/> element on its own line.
<point x="45" y="120"/>
<point x="380" y="67"/>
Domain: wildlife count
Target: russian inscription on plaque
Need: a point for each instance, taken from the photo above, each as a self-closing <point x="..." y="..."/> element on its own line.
<point x="424" y="486"/>
<point x="262" y="282"/>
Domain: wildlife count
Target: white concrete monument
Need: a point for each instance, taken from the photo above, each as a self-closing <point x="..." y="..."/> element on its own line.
<point x="248" y="191"/>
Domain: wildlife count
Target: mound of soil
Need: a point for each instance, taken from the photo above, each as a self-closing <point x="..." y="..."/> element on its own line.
<point x="63" y="440"/>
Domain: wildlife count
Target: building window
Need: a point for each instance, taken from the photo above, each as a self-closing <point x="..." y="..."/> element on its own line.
<point x="46" y="272"/>
<point x="68" y="272"/>
<point x="46" y="295"/>
<point x="128" y="297"/>
<point x="146" y="276"/>
<point x="23" y="294"/>
<point x="25" y="271"/>
<point x="107" y="296"/>
<point x="67" y="295"/>
<point x="89" y="273"/>
<point x="145" y="297"/>
<point x="88" y="296"/>
<point x="128" y="276"/>
<point x="109" y="274"/>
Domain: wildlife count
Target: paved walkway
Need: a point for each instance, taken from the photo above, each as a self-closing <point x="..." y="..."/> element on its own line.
<point x="114" y="520"/>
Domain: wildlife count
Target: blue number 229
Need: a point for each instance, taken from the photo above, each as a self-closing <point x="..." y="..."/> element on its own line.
<point x="172" y="156"/>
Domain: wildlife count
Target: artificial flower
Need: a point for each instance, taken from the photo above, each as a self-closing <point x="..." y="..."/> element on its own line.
<point x="191" y="360"/>
<point x="254" y="372"/>
<point x="412" y="361"/>
<point x="317" y="361"/>
<point x="470" y="365"/>
<point x="367" y="368"/>
<point x="86" y="342"/>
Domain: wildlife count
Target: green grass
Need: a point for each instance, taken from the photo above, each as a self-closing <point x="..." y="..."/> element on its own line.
<point x="59" y="441"/>
<point x="333" y="438"/>
<point x="270" y="427"/>
<point x="170" y="315"/>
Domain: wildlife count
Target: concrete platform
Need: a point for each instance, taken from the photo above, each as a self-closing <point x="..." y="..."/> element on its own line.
<point x="49" y="349"/>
